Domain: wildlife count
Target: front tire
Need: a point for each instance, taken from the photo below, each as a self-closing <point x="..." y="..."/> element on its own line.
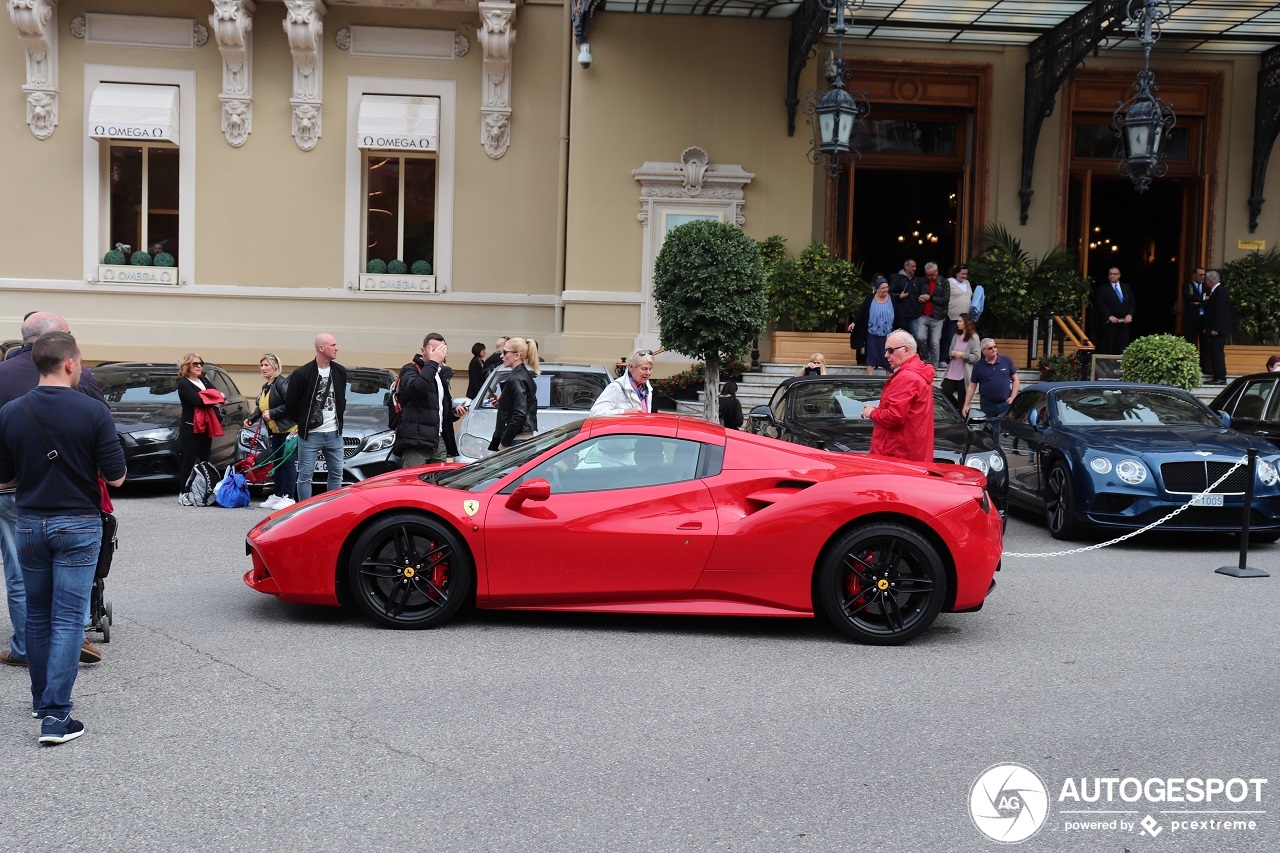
<point x="882" y="584"/>
<point x="410" y="571"/>
<point x="1060" y="504"/>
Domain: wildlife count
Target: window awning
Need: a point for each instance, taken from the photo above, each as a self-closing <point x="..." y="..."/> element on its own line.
<point x="125" y="111"/>
<point x="398" y="123"/>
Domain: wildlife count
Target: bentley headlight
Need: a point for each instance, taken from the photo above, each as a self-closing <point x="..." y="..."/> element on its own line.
<point x="977" y="462"/>
<point x="380" y="440"/>
<point x="1100" y="464"/>
<point x="472" y="446"/>
<point x="1267" y="473"/>
<point x="1131" y="471"/>
<point x="996" y="462"/>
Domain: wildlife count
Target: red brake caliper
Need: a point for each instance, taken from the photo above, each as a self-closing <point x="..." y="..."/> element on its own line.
<point x="439" y="573"/>
<point x="853" y="584"/>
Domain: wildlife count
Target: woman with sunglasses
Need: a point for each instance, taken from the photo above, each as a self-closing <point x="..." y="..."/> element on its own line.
<point x="518" y="403"/>
<point x="196" y="446"/>
<point x="270" y="409"/>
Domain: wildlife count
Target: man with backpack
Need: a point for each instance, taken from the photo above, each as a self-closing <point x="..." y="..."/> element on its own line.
<point x="54" y="443"/>
<point x="18" y="375"/>
<point x="316" y="401"/>
<point x="425" y="431"/>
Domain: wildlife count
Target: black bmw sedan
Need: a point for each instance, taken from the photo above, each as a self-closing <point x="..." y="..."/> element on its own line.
<point x="826" y="412"/>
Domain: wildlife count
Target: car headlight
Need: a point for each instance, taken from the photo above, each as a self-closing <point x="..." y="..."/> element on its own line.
<point x="1100" y="464"/>
<point x="1267" y="473"/>
<point x="1131" y="471"/>
<point x="380" y="440"/>
<point x="155" y="436"/>
<point x="996" y="462"/>
<point x="472" y="446"/>
<point x="977" y="462"/>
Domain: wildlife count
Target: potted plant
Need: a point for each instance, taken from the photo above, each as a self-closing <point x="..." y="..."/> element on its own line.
<point x="1062" y="368"/>
<point x="810" y="299"/>
<point x="1019" y="286"/>
<point x="1253" y="283"/>
<point x="1162" y="360"/>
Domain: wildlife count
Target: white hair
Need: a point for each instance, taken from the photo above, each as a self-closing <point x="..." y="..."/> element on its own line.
<point x="902" y="338"/>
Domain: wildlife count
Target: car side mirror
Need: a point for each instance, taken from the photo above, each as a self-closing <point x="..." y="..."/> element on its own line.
<point x="1226" y="419"/>
<point x="536" y="489"/>
<point x="976" y="420"/>
<point x="761" y="413"/>
<point x="1034" y="419"/>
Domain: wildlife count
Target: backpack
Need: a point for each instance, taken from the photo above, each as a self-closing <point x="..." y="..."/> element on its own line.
<point x="232" y="491"/>
<point x="200" y="486"/>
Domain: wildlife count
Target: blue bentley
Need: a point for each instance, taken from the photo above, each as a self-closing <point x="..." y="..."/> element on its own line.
<point x="1121" y="455"/>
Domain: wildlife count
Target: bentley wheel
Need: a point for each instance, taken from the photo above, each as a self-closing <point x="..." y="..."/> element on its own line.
<point x="410" y="571"/>
<point x="882" y="584"/>
<point x="1059" y="504"/>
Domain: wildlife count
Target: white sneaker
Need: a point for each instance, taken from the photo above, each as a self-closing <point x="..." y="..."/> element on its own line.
<point x="272" y="502"/>
<point x="284" y="502"/>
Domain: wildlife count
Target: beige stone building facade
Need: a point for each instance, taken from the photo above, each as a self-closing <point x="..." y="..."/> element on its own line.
<point x="272" y="150"/>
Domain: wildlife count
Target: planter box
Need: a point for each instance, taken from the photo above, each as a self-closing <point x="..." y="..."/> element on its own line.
<point x="796" y="347"/>
<point x="387" y="283"/>
<point x="129" y="274"/>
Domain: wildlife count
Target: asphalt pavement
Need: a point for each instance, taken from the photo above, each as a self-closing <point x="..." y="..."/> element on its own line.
<point x="222" y="719"/>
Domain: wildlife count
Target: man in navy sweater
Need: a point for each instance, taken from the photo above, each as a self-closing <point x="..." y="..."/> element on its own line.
<point x="59" y="527"/>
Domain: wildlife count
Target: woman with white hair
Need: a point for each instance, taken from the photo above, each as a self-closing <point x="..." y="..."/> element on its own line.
<point x="630" y="392"/>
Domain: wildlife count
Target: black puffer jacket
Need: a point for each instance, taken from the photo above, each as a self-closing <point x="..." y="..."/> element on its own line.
<point x="517" y="408"/>
<point x="419" y="425"/>
<point x="279" y="388"/>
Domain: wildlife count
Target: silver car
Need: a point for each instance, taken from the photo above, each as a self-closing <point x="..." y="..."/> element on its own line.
<point x="565" y="394"/>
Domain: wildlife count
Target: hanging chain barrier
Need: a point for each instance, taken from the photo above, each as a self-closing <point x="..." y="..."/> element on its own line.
<point x="1132" y="533"/>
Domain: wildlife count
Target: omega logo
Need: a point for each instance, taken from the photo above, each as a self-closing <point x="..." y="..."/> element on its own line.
<point x="145" y="132"/>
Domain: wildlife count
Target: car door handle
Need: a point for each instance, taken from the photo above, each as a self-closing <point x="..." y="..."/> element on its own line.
<point x="690" y="525"/>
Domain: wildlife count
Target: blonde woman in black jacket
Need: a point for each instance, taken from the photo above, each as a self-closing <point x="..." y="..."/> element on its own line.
<point x="271" y="410"/>
<point x="518" y="406"/>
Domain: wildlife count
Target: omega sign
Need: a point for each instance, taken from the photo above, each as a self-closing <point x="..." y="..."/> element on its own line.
<point x="399" y="143"/>
<point x="127" y="132"/>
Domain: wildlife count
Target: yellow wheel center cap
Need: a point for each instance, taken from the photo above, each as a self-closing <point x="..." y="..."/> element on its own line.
<point x="408" y="571"/>
<point x="882" y="584"/>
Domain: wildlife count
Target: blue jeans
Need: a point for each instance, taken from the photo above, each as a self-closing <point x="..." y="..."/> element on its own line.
<point x="59" y="556"/>
<point x="14" y="588"/>
<point x="995" y="411"/>
<point x="328" y="443"/>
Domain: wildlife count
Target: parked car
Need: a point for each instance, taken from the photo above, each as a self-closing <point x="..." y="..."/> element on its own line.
<point x="366" y="437"/>
<point x="1253" y="404"/>
<point x="1123" y="455"/>
<point x="143" y="398"/>
<point x="566" y="393"/>
<point x="645" y="514"/>
<point x="826" y="412"/>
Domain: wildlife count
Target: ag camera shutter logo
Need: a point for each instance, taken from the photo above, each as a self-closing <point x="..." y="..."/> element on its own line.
<point x="1008" y="803"/>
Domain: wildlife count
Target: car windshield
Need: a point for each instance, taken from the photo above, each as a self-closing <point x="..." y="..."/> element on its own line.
<point x="1084" y="407"/>
<point x="844" y="401"/>
<point x="557" y="389"/>
<point x="140" y="385"/>
<point x="478" y="476"/>
<point x="368" y="387"/>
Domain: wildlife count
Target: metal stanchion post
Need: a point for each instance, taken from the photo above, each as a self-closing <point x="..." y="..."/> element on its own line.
<point x="756" y="367"/>
<point x="1243" y="570"/>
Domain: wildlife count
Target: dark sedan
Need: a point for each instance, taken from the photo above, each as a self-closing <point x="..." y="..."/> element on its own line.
<point x="143" y="398"/>
<point x="1253" y="403"/>
<point x="1123" y="455"/>
<point x="826" y="412"/>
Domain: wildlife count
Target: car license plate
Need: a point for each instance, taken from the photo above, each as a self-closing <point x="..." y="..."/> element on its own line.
<point x="1207" y="500"/>
<point x="322" y="467"/>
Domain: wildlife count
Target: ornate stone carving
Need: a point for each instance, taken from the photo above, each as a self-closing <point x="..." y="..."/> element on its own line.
<point x="304" y="27"/>
<point x="232" y="24"/>
<point x="78" y="26"/>
<point x="694" y="162"/>
<point x="342" y="38"/>
<point x="461" y="46"/>
<point x="237" y="121"/>
<point x="199" y="34"/>
<point x="496" y="36"/>
<point x="37" y="26"/>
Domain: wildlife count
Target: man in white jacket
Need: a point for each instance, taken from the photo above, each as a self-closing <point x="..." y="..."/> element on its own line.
<point x="630" y="392"/>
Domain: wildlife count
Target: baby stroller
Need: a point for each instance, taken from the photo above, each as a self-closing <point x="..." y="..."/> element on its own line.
<point x="99" y="607"/>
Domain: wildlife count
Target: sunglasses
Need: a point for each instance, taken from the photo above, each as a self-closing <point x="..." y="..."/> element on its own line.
<point x="641" y="353"/>
<point x="511" y="352"/>
<point x="890" y="350"/>
<point x="197" y="364"/>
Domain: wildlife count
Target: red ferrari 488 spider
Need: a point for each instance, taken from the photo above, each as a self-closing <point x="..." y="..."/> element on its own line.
<point x="645" y="514"/>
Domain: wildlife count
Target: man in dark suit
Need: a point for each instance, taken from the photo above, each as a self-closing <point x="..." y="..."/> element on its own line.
<point x="1115" y="313"/>
<point x="1193" y="296"/>
<point x="1217" y="326"/>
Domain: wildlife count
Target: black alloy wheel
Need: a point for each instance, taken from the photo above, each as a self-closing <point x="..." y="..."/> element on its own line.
<point x="882" y="584"/>
<point x="1060" y="504"/>
<point x="410" y="571"/>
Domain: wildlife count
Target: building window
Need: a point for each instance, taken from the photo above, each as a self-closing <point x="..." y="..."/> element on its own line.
<point x="400" y="208"/>
<point x="144" y="206"/>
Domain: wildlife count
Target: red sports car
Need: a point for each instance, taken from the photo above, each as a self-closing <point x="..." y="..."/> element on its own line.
<point x="645" y="514"/>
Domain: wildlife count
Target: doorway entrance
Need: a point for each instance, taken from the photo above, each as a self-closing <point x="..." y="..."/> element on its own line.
<point x="903" y="214"/>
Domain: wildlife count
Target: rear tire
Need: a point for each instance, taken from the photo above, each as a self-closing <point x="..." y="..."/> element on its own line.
<point x="882" y="584"/>
<point x="410" y="571"/>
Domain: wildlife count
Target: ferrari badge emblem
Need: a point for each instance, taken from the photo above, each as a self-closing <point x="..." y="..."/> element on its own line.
<point x="882" y="583"/>
<point x="471" y="507"/>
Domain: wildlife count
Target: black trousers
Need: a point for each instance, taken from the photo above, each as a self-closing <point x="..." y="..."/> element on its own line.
<point x="195" y="448"/>
<point x="1115" y="337"/>
<point x="1217" y="346"/>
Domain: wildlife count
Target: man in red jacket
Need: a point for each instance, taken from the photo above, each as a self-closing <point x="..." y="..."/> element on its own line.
<point x="903" y="422"/>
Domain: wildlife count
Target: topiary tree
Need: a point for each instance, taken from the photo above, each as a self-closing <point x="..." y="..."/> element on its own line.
<point x="397" y="267"/>
<point x="1018" y="286"/>
<point x="115" y="257"/>
<point x="164" y="259"/>
<point x="421" y="268"/>
<point x="376" y="266"/>
<point x="816" y="292"/>
<point x="1253" y="283"/>
<point x="1161" y="360"/>
<point x="140" y="259"/>
<point x="708" y="283"/>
